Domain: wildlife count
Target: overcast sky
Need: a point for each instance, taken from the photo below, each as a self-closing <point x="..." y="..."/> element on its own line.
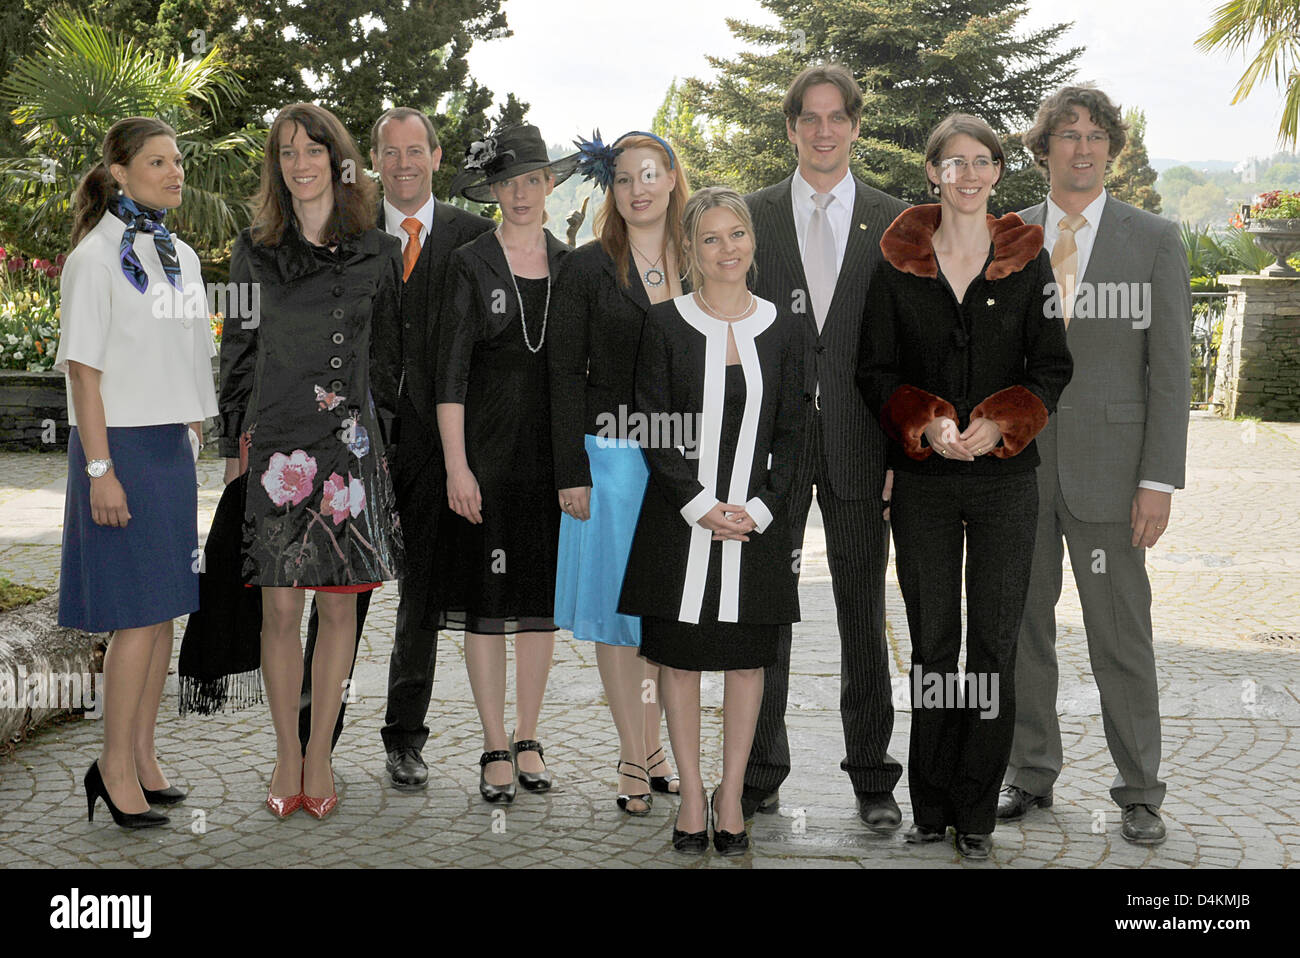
<point x="585" y="63"/>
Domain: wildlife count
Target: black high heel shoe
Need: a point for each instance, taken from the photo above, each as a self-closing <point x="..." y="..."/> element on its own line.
<point x="727" y="843"/>
<point x="660" y="783"/>
<point x="644" y="798"/>
<point x="532" y="781"/>
<point x="171" y="795"/>
<point x="505" y="794"/>
<point x="693" y="843"/>
<point x="95" y="789"/>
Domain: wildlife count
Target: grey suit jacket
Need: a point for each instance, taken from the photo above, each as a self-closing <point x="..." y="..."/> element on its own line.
<point x="855" y="443"/>
<point x="1124" y="415"/>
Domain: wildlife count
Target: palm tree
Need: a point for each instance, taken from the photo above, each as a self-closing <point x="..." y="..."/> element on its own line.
<point x="1236" y="25"/>
<point x="81" y="79"/>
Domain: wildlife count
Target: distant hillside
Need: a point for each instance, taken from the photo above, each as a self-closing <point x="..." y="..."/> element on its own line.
<point x="1160" y="164"/>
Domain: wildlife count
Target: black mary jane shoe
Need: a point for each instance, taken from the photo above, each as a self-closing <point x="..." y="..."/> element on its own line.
<point x="976" y="846"/>
<point x="924" y="834"/>
<point x="171" y="795"/>
<point x="727" y="843"/>
<point x="503" y="794"/>
<point x="691" y="843"/>
<point x="531" y="781"/>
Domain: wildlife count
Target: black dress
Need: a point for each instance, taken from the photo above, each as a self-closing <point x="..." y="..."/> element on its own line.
<point x="709" y="606"/>
<point x="499" y="576"/>
<point x="305" y="382"/>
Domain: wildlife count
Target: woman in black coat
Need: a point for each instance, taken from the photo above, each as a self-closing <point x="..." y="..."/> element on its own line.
<point x="307" y="369"/>
<point x="962" y="355"/>
<point x="601" y="298"/>
<point x="719" y="392"/>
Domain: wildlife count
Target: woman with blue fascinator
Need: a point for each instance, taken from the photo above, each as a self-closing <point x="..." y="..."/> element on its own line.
<point x="601" y="298"/>
<point x="136" y="349"/>
<point x="495" y="567"/>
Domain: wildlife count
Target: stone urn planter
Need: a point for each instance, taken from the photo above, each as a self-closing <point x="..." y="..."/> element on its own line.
<point x="1281" y="237"/>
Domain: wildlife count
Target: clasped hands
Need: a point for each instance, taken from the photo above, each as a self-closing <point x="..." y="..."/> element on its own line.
<point x="979" y="438"/>
<point x="726" y="521"/>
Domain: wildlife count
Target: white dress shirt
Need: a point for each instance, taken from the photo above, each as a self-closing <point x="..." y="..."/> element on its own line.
<point x="1083" y="239"/>
<point x="393" y="218"/>
<point x="153" y="349"/>
<point x="839" y="212"/>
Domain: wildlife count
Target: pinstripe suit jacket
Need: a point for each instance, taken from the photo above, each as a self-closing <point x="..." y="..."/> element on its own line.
<point x="855" y="445"/>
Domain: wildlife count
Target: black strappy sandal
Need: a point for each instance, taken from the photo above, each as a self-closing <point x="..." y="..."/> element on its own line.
<point x="661" y="783"/>
<point x="646" y="798"/>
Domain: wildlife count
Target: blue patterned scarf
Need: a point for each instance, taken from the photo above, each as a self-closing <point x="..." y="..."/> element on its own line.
<point x="144" y="219"/>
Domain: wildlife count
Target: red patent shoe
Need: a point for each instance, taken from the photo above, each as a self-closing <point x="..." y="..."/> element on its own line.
<point x="320" y="807"/>
<point x="283" y="807"/>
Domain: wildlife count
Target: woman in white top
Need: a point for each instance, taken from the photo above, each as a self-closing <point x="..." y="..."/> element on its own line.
<point x="136" y="349"/>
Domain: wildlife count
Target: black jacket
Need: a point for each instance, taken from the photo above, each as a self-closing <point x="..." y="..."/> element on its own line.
<point x="1000" y="354"/>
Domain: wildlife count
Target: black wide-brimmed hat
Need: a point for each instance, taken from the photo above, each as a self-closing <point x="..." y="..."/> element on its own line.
<point x="505" y="153"/>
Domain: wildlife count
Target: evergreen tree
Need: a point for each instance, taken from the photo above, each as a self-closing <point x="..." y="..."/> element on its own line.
<point x="916" y="61"/>
<point x="1131" y="177"/>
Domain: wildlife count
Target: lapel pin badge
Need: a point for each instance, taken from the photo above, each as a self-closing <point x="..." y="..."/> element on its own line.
<point x="988" y="302"/>
<point x="862" y="226"/>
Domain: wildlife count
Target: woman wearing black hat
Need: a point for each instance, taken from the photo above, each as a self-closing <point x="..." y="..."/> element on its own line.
<point x="496" y="568"/>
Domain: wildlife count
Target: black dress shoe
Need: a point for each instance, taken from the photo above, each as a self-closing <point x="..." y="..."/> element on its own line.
<point x="1014" y="802"/>
<point x="726" y="843"/>
<point x="504" y="794"/>
<point x="171" y="795"/>
<point x="759" y="800"/>
<point x="406" y="768"/>
<point x="923" y="835"/>
<point x="96" y="789"/>
<point x="691" y="843"/>
<point x="879" y="811"/>
<point x="532" y="781"/>
<point x="1142" y="825"/>
<point x="976" y="846"/>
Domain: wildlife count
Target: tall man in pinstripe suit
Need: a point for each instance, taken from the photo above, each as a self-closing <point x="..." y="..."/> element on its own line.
<point x="818" y="234"/>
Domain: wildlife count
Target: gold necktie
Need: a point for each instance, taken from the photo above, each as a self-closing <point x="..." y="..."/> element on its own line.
<point x="1065" y="261"/>
<point x="412" y="251"/>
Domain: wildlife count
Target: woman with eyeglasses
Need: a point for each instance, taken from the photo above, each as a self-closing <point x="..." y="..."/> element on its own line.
<point x="963" y="359"/>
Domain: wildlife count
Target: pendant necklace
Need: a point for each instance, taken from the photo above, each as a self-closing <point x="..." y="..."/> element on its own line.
<point x="653" y="276"/>
<point x="546" y="310"/>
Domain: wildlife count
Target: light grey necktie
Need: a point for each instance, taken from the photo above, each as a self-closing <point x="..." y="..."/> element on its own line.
<point x="819" y="259"/>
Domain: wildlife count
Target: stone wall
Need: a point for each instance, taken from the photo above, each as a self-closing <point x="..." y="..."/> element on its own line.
<point x="29" y="402"/>
<point x="1258" y="371"/>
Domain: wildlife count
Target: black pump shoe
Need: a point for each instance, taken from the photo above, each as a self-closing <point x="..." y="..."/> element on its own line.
<point x="96" y="789"/>
<point x="727" y="843"/>
<point x="532" y="781"/>
<point x="505" y="794"/>
<point x="692" y="843"/>
<point x="171" y="795"/>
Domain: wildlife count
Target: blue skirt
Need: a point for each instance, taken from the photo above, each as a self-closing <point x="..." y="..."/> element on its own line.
<point x="593" y="554"/>
<point x="146" y="573"/>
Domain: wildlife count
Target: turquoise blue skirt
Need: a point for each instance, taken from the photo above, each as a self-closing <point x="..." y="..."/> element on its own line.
<point x="593" y="554"/>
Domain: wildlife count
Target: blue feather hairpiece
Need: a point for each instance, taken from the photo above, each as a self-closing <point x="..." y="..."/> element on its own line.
<point x="598" y="159"/>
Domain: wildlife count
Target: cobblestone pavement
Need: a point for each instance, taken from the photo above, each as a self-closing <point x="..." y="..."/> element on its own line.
<point x="1229" y="566"/>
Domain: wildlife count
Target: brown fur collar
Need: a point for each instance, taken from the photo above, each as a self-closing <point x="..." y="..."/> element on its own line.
<point x="906" y="244"/>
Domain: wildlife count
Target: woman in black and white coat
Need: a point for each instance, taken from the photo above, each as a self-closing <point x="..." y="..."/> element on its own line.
<point x="719" y="394"/>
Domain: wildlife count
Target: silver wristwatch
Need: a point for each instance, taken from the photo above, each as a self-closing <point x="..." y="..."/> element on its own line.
<point x="97" y="468"/>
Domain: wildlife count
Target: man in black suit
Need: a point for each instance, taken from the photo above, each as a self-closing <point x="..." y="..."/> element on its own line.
<point x="818" y="234"/>
<point x="405" y="152"/>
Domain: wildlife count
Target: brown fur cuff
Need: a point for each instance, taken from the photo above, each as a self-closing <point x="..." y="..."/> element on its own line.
<point x="1018" y="413"/>
<point x="906" y="414"/>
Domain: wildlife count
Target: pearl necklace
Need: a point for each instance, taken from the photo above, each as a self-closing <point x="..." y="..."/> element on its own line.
<point x="721" y="315"/>
<point x="546" y="310"/>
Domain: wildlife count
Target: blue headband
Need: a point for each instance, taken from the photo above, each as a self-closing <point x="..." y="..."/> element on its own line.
<point x="597" y="160"/>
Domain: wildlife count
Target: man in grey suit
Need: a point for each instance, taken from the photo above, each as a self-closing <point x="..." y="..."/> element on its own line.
<point x="1112" y="456"/>
<point x="818" y="237"/>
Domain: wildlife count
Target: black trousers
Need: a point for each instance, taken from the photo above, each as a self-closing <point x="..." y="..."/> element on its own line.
<point x="411" y="664"/>
<point x="857" y="547"/>
<point x="962" y="728"/>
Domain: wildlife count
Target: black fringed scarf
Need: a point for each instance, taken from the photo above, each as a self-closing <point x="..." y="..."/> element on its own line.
<point x="221" y="652"/>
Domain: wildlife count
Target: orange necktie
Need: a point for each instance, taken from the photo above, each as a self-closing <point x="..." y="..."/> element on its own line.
<point x="1065" y="261"/>
<point x="412" y="251"/>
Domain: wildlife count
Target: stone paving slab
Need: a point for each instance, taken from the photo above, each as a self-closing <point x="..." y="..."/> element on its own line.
<point x="1229" y="566"/>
